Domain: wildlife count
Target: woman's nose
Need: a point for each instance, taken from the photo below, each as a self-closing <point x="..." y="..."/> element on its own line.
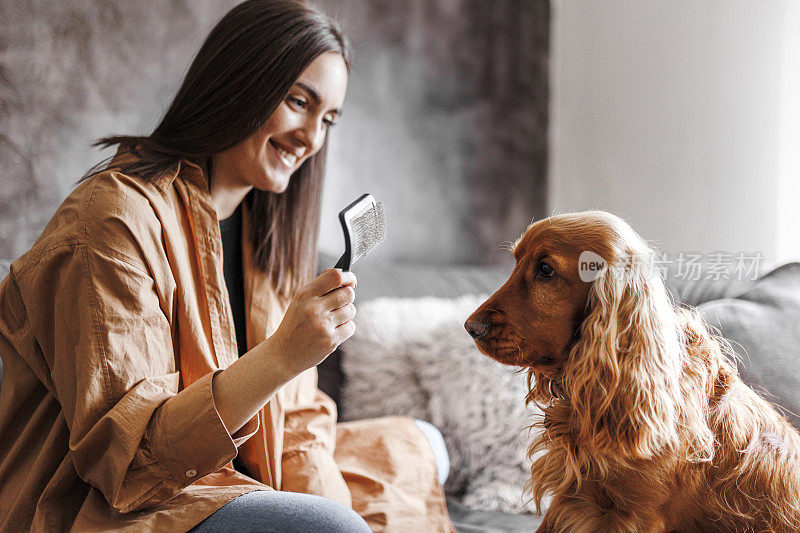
<point x="311" y="134"/>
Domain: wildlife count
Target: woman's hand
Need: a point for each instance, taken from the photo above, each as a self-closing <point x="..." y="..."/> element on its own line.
<point x="318" y="320"/>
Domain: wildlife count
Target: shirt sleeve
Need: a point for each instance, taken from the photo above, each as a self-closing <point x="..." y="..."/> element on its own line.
<point x="133" y="436"/>
<point x="309" y="442"/>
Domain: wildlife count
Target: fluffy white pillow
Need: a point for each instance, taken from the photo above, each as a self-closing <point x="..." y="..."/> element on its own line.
<point x="413" y="357"/>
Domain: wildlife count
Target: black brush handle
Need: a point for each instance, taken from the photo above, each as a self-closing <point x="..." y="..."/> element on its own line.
<point x="344" y="262"/>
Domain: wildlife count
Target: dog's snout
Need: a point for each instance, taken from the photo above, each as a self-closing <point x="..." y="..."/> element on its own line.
<point x="476" y="327"/>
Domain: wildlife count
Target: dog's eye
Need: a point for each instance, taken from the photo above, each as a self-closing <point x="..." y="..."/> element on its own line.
<point x="545" y="270"/>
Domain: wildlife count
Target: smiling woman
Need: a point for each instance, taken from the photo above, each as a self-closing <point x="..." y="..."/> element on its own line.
<point x="143" y="352"/>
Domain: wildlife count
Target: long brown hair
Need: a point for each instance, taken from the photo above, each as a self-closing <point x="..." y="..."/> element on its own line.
<point x="241" y="74"/>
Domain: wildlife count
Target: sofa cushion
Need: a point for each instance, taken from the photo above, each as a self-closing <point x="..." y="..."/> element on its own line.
<point x="694" y="292"/>
<point x="762" y="322"/>
<point x="468" y="520"/>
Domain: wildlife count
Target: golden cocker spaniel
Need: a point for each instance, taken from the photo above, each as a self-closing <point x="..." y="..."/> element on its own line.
<point x="647" y="426"/>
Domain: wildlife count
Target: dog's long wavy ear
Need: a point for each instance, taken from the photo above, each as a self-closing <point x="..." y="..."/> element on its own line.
<point x="622" y="374"/>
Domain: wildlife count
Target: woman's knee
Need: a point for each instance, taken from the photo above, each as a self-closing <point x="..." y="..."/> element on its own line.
<point x="334" y="517"/>
<point x="285" y="512"/>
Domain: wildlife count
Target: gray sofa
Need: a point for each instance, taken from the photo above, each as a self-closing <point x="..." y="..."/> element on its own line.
<point x="761" y="317"/>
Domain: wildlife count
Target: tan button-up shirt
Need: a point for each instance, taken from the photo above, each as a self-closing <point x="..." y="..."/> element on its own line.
<point x="111" y="329"/>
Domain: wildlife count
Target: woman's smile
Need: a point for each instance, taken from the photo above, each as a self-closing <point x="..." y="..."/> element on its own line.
<point x="287" y="156"/>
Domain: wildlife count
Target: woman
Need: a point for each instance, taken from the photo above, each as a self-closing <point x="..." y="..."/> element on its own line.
<point x="124" y="398"/>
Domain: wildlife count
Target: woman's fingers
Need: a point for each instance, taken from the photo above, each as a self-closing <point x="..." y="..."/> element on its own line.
<point x="345" y="331"/>
<point x="339" y="297"/>
<point x="330" y="280"/>
<point x="343" y="314"/>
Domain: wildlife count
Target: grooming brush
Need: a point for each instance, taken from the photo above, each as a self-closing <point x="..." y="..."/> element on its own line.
<point x="364" y="226"/>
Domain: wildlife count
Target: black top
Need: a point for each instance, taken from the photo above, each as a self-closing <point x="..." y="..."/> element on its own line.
<point x="231" y="229"/>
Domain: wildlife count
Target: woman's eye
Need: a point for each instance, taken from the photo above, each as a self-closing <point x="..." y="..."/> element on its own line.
<point x="329" y="122"/>
<point x="545" y="270"/>
<point x="299" y="102"/>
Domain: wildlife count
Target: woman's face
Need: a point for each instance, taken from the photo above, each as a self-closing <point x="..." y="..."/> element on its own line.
<point x="294" y="132"/>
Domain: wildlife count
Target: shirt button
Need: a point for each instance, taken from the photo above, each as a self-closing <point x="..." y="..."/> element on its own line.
<point x="191" y="473"/>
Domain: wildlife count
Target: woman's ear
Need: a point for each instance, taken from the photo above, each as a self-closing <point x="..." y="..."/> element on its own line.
<point x="622" y="374"/>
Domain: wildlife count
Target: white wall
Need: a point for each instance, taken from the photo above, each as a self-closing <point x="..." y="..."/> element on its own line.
<point x="680" y="116"/>
<point x="788" y="240"/>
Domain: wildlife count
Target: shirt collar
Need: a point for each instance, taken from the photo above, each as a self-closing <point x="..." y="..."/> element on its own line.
<point x="190" y="172"/>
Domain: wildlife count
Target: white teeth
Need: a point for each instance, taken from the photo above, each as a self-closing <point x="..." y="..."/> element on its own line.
<point x="288" y="158"/>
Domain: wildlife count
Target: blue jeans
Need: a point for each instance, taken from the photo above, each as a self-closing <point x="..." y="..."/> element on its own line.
<point x="272" y="511"/>
<point x="292" y="512"/>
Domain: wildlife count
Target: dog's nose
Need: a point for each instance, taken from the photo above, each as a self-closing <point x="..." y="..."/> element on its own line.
<point x="476" y="328"/>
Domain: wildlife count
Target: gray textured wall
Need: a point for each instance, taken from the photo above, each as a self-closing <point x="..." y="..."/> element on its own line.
<point x="445" y="119"/>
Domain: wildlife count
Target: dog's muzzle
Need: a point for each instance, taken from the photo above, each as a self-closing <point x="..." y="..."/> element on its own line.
<point x="477" y="328"/>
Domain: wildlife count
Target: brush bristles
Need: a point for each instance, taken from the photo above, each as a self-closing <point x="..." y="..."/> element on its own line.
<point x="369" y="230"/>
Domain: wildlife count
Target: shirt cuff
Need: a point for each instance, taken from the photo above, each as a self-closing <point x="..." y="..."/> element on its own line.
<point x="188" y="436"/>
<point x="246" y="431"/>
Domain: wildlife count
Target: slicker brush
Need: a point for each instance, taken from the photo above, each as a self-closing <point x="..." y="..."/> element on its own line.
<point x="364" y="226"/>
